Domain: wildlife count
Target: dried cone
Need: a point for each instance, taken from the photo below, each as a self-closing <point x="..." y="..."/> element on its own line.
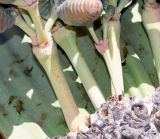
<point x="78" y="12"/>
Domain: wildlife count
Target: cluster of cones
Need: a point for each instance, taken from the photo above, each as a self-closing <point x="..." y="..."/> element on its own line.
<point x="124" y="118"/>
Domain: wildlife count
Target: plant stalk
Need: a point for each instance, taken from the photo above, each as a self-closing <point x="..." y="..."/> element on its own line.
<point x="35" y="15"/>
<point x="66" y="39"/>
<point x="24" y="26"/>
<point x="113" y="37"/>
<point x="48" y="58"/>
<point x="105" y="25"/>
<point x="26" y="17"/>
<point x="110" y="52"/>
<point x="122" y="4"/>
<point x="93" y="34"/>
<point x="102" y="47"/>
<point x="51" y="20"/>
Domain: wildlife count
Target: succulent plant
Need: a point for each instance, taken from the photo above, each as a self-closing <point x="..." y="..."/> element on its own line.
<point x="60" y="86"/>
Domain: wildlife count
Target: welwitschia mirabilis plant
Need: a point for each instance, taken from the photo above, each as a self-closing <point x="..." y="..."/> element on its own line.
<point x="44" y="48"/>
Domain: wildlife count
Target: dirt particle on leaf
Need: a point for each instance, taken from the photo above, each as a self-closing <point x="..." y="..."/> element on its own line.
<point x="2" y="136"/>
<point x="93" y="71"/>
<point x="43" y="116"/>
<point x="3" y="111"/>
<point x="11" y="99"/>
<point x="124" y="63"/>
<point x="42" y="119"/>
<point x="19" y="106"/>
<point x="125" y="52"/>
<point x="141" y="48"/>
<point x="27" y="71"/>
<point x="38" y="104"/>
<point x="4" y="114"/>
<point x="57" y="76"/>
<point x="18" y="61"/>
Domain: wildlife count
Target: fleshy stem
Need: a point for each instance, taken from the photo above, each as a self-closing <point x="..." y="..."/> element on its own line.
<point x="35" y="15"/>
<point x="112" y="53"/>
<point x="25" y="27"/>
<point x="66" y="39"/>
<point x="103" y="48"/>
<point x="107" y="55"/>
<point x="105" y="26"/>
<point x="122" y="4"/>
<point x="113" y="38"/>
<point x="105" y="19"/>
<point x="32" y="8"/>
<point x="93" y="34"/>
<point x="26" y="17"/>
<point x="110" y="50"/>
<point x="51" y="20"/>
<point x="48" y="58"/>
<point x="114" y="58"/>
<point x="50" y="63"/>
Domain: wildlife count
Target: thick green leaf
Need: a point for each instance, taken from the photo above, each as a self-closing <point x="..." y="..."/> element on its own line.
<point x="135" y="35"/>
